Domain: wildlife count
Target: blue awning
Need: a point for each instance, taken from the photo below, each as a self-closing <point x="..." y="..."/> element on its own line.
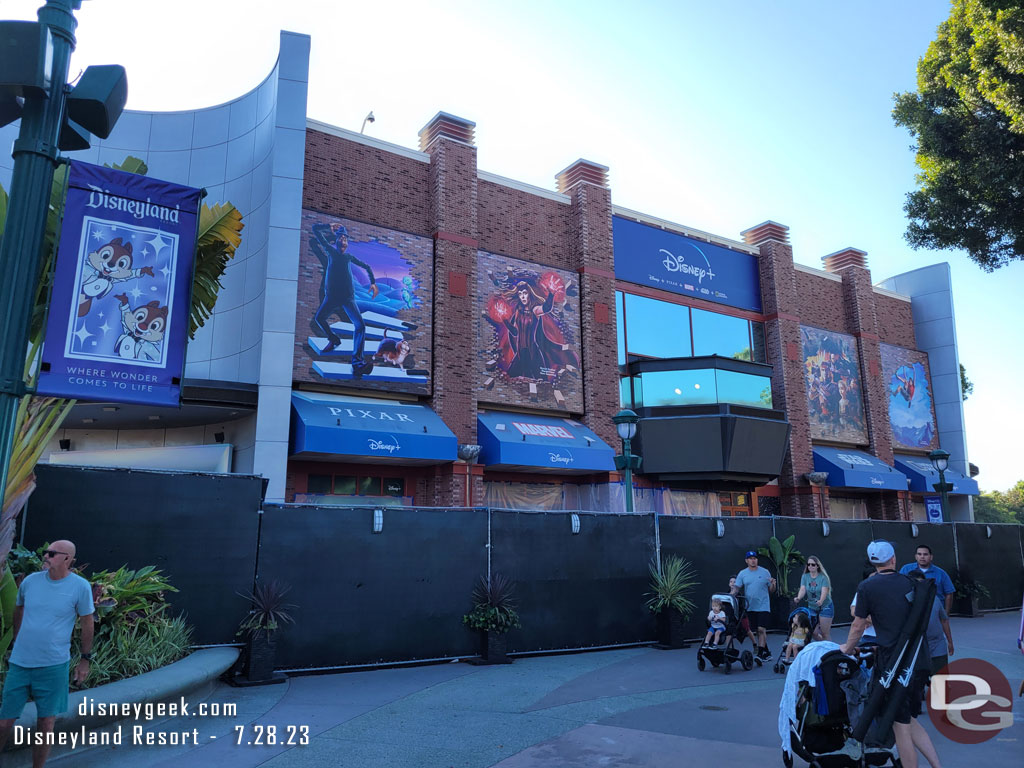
<point x="519" y="441"/>
<point x="848" y="468"/>
<point x="368" y="430"/>
<point x="923" y="476"/>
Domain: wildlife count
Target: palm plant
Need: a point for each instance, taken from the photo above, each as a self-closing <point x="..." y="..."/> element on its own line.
<point x="39" y="418"/>
<point x="672" y="586"/>
<point x="494" y="605"/>
<point x="269" y="610"/>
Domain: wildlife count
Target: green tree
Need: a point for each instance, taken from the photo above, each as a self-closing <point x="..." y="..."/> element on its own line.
<point x="967" y="118"/>
<point x="966" y="385"/>
<point x="1001" y="507"/>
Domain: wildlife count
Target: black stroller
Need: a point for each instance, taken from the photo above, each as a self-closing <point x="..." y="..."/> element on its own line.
<point x="727" y="654"/>
<point x="825" y="711"/>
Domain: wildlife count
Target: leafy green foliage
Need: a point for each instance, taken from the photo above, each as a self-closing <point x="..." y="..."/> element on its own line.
<point x="8" y="595"/>
<point x="269" y="610"/>
<point x="220" y="233"/>
<point x="966" y="385"/>
<point x="673" y="586"/>
<point x="1000" y="506"/>
<point x="784" y="557"/>
<point x="967" y="117"/>
<point x="494" y="606"/>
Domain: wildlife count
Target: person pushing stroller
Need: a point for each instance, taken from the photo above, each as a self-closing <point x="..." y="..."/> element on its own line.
<point x="756" y="583"/>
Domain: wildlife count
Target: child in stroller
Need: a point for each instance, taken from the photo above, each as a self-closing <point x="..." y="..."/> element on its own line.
<point x="801" y="622"/>
<point x="727" y="654"/>
<point x="716" y="623"/>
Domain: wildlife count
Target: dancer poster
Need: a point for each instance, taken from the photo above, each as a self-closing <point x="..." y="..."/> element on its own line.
<point x="364" y="306"/>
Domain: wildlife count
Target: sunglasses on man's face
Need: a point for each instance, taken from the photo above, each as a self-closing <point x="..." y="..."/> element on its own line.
<point x="54" y="553"/>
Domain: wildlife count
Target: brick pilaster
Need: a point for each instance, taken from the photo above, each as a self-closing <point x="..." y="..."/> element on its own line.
<point x="590" y="239"/>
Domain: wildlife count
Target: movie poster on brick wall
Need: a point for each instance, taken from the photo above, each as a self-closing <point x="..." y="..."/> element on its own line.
<point x="364" y="308"/>
<point x="529" y="329"/>
<point x="911" y="414"/>
<point x="835" y="398"/>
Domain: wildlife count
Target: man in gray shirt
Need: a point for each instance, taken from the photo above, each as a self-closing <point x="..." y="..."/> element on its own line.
<point x="44" y="617"/>
<point x="756" y="582"/>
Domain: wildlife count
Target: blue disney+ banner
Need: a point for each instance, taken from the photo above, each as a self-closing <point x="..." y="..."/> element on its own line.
<point x="119" y="311"/>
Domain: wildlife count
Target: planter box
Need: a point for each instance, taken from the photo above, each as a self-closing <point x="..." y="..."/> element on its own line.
<point x="670" y="630"/>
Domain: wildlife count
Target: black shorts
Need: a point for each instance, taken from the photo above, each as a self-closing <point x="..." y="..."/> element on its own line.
<point x="759" y="619"/>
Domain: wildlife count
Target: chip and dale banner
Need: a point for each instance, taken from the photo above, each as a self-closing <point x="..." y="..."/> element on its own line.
<point x="365" y="310"/>
<point x="119" y="309"/>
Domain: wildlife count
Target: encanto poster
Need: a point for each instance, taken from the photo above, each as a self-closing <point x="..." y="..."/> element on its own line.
<point x="528" y="334"/>
<point x="835" y="398"/>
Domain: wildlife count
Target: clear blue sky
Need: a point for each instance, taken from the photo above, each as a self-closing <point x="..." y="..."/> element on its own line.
<point x="717" y="116"/>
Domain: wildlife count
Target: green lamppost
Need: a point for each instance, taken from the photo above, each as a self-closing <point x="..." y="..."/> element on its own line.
<point x="625" y="424"/>
<point x="34" y="58"/>
<point x="940" y="460"/>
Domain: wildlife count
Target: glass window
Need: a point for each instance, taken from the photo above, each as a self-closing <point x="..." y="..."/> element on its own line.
<point x="345" y="485"/>
<point x="717" y="334"/>
<point x="656" y="328"/>
<point x="369" y="486"/>
<point x="620" y="331"/>
<point x="678" y="387"/>
<point x="318" y="484"/>
<point x="625" y="394"/>
<point x="744" y="389"/>
<point x="757" y="337"/>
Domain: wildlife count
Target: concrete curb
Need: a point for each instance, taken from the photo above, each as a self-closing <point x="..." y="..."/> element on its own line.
<point x="192" y="677"/>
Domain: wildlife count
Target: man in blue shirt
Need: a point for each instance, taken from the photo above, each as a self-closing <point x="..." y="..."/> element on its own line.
<point x="756" y="582"/>
<point x="943" y="584"/>
<point x="45" y="611"/>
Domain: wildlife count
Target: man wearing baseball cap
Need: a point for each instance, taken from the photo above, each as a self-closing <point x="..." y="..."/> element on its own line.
<point x="756" y="583"/>
<point x="886" y="598"/>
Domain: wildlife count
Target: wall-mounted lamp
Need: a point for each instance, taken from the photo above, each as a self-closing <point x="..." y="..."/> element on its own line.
<point x="824" y="528"/>
<point x="368" y="119"/>
<point x="575" y="523"/>
<point x="469" y="452"/>
<point x="988" y="531"/>
<point x="914" y="530"/>
<point x="378" y="520"/>
<point x="719" y="528"/>
<point x="65" y="444"/>
<point x="218" y="436"/>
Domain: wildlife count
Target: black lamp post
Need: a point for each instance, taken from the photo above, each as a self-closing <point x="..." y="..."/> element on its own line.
<point x="625" y="424"/>
<point x="940" y="460"/>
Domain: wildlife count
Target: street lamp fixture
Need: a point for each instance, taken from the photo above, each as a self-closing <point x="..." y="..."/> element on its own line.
<point x="940" y="460"/>
<point x="625" y="424"/>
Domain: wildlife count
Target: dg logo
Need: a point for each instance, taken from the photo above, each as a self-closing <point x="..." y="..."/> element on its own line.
<point x="970" y="701"/>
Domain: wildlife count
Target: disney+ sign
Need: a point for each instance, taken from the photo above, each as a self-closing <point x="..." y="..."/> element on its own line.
<point x="674" y="262"/>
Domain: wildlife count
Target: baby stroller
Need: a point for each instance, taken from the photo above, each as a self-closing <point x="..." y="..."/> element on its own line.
<point x="781" y="662"/>
<point x="825" y="710"/>
<point x="726" y="654"/>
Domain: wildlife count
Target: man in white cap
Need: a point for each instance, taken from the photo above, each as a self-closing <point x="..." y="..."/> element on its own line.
<point x="886" y="598"/>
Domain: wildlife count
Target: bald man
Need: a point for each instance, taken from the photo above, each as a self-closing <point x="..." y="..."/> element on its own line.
<point x="44" y="618"/>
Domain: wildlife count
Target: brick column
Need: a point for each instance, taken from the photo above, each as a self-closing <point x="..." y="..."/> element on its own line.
<point x="862" y="321"/>
<point x="590" y="241"/>
<point x="782" y="341"/>
<point x="453" y="210"/>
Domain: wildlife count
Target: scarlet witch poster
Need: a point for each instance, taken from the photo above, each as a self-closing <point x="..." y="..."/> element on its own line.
<point x="529" y="331"/>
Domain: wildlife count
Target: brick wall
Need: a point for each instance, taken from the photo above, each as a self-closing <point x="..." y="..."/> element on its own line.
<point x="515" y="223"/>
<point x="895" y="321"/>
<point x="820" y="301"/>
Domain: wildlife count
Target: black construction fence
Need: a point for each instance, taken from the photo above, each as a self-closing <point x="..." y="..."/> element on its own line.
<point x="383" y="585"/>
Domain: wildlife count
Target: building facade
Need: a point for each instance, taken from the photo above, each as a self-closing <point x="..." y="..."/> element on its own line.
<point x="402" y="327"/>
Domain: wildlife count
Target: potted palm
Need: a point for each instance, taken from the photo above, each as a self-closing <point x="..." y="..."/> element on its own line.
<point x="968" y="594"/>
<point x="784" y="557"/>
<point x="268" y="613"/>
<point x="493" y="615"/>
<point x="671" y="585"/>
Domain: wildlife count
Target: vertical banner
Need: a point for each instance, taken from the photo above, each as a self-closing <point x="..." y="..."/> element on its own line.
<point x="933" y="507"/>
<point x="119" y="310"/>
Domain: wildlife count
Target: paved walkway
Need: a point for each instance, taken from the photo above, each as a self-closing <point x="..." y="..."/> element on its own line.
<point x="634" y="707"/>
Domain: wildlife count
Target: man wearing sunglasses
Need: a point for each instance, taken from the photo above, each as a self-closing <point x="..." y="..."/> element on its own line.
<point x="44" y="617"/>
